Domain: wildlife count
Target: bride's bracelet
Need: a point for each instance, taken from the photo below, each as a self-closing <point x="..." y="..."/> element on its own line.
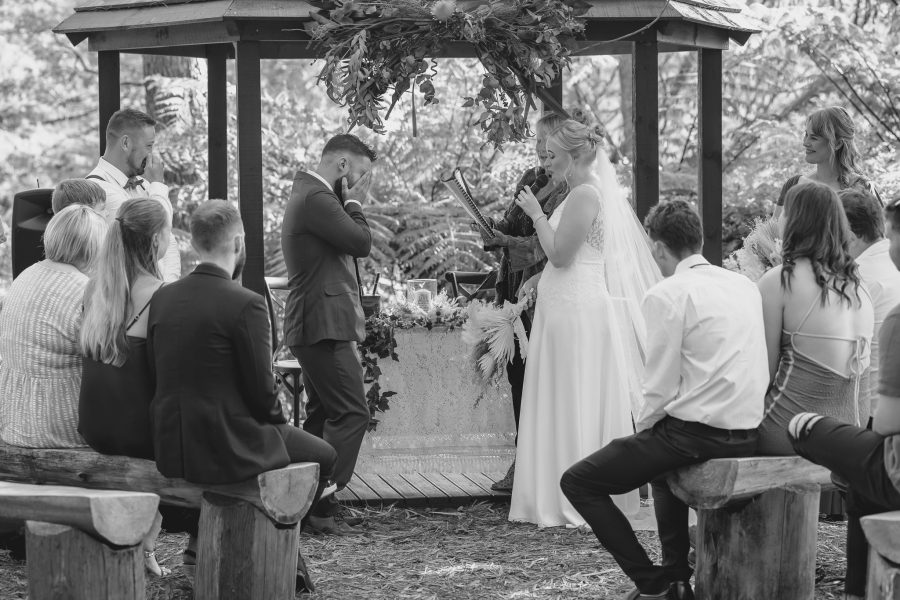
<point x="543" y="216"/>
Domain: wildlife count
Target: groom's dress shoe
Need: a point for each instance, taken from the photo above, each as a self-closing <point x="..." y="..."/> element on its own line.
<point x="327" y="526"/>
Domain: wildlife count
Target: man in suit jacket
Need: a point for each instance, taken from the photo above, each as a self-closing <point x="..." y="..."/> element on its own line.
<point x="215" y="415"/>
<point x="324" y="231"/>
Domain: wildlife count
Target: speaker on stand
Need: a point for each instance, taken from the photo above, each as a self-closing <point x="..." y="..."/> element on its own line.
<point x="31" y="212"/>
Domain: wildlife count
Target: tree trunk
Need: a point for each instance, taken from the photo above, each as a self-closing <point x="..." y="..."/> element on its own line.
<point x="157" y="66"/>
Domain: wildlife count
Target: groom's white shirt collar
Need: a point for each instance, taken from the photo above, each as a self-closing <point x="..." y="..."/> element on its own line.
<point x="690" y="262"/>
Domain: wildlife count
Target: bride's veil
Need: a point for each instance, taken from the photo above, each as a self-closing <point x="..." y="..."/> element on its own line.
<point x="629" y="267"/>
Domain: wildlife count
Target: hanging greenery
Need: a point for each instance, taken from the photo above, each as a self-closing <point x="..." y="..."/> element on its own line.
<point x="377" y="51"/>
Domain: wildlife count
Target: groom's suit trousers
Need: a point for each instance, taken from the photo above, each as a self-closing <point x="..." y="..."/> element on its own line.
<point x="646" y="457"/>
<point x="336" y="410"/>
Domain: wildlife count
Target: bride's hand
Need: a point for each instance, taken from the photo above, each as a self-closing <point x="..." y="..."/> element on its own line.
<point x="529" y="204"/>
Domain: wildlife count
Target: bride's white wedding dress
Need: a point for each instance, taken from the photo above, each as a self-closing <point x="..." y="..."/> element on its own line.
<point x="582" y="376"/>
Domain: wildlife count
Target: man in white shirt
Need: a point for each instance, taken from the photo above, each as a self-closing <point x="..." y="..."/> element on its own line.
<point x="872" y="253"/>
<point x="705" y="380"/>
<point x="130" y="136"/>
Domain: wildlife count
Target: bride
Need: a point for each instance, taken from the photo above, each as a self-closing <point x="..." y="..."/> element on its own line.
<point x="585" y="354"/>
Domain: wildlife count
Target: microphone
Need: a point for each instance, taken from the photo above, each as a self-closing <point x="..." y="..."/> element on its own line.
<point x="539" y="182"/>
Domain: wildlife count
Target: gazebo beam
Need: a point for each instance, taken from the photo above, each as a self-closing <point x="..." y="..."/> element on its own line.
<point x="109" y="91"/>
<point x="250" y="176"/>
<point x="709" y="83"/>
<point x="645" y="69"/>
<point x="217" y="121"/>
<point x="192" y="34"/>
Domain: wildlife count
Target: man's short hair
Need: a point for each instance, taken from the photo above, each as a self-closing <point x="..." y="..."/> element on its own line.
<point x="77" y="191"/>
<point x="676" y="224"/>
<point x="892" y="214"/>
<point x="75" y="235"/>
<point x="864" y="213"/>
<point x="351" y="144"/>
<point x="125" y="120"/>
<point x="213" y="223"/>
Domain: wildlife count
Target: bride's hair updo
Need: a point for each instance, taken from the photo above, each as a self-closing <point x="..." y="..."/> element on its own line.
<point x="580" y="141"/>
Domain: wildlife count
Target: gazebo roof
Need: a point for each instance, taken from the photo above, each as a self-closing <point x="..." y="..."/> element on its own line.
<point x="186" y="26"/>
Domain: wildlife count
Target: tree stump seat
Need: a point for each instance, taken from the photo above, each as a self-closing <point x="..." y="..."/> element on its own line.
<point x="883" y="533"/>
<point x="249" y="533"/>
<point x="757" y="525"/>
<point x="82" y="544"/>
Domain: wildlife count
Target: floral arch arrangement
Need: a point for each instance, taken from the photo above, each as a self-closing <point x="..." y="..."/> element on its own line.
<point x="378" y="47"/>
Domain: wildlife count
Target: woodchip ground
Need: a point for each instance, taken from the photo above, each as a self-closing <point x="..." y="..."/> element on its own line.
<point x="470" y="553"/>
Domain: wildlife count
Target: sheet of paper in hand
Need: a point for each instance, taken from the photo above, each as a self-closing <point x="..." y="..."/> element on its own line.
<point x="457" y="185"/>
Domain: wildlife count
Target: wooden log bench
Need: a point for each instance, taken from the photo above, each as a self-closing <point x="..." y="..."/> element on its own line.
<point x="757" y="525"/>
<point x="249" y="534"/>
<point x="883" y="533"/>
<point x="82" y="544"/>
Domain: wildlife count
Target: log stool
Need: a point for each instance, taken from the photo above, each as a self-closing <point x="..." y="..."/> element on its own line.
<point x="756" y="528"/>
<point x="883" y="533"/>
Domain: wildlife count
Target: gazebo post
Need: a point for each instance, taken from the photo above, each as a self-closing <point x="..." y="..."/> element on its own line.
<point x="710" y="134"/>
<point x="645" y="71"/>
<point x="217" y="122"/>
<point x="109" y="94"/>
<point x="249" y="159"/>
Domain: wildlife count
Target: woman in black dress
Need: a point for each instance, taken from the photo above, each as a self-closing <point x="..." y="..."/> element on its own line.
<point x="117" y="384"/>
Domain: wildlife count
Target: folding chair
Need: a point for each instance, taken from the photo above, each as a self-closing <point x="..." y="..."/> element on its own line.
<point x="287" y="371"/>
<point x="480" y="284"/>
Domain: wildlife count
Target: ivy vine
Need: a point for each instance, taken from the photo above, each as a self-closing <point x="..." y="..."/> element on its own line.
<point x="377" y="48"/>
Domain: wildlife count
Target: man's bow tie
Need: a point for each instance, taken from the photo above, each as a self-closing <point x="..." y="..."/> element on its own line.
<point x="133" y="182"/>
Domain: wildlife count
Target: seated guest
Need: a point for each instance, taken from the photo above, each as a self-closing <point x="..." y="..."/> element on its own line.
<point x="78" y="191"/>
<point x="116" y="383"/>
<point x="215" y="415"/>
<point x="704" y="384"/>
<point x="871" y="251"/>
<point x="867" y="461"/>
<point x="818" y="318"/>
<point x="39" y="325"/>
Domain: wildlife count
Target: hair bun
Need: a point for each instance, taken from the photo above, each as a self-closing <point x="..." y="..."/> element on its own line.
<point x="579" y="115"/>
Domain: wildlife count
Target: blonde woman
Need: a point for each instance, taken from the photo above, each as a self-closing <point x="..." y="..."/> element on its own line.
<point x="829" y="144"/>
<point x="584" y="365"/>
<point x="117" y="384"/>
<point x="40" y="373"/>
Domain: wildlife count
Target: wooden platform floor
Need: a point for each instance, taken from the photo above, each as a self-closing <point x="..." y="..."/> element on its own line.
<point x="421" y="489"/>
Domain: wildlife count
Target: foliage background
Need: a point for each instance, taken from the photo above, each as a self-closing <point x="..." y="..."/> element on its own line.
<point x="811" y="54"/>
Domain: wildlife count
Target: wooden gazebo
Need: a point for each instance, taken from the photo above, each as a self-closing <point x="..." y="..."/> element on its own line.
<point x="248" y="31"/>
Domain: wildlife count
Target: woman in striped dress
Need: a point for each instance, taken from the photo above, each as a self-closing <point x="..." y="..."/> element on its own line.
<point x="40" y="361"/>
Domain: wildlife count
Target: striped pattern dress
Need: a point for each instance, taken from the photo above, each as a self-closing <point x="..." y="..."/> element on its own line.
<point x="40" y="364"/>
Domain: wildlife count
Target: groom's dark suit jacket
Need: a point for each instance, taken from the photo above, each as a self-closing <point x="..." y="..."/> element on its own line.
<point x="319" y="240"/>
<point x="215" y="410"/>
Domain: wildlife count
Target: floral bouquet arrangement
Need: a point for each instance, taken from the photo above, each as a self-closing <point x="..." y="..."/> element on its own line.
<point x="491" y="332"/>
<point x="761" y="250"/>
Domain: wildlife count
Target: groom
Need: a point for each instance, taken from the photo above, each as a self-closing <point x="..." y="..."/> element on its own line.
<point x="323" y="233"/>
<point x="704" y="383"/>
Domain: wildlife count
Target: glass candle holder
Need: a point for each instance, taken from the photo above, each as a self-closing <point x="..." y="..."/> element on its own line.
<point x="421" y="292"/>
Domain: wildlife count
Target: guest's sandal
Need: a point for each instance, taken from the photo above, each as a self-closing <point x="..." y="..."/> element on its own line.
<point x="153" y="567"/>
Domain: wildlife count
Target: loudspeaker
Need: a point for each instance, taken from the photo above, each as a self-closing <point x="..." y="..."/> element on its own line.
<point x="31" y="212"/>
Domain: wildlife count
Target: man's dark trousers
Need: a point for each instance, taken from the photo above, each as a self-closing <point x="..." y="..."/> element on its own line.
<point x="336" y="410"/>
<point x="856" y="456"/>
<point x="627" y="463"/>
<point x="515" y="373"/>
